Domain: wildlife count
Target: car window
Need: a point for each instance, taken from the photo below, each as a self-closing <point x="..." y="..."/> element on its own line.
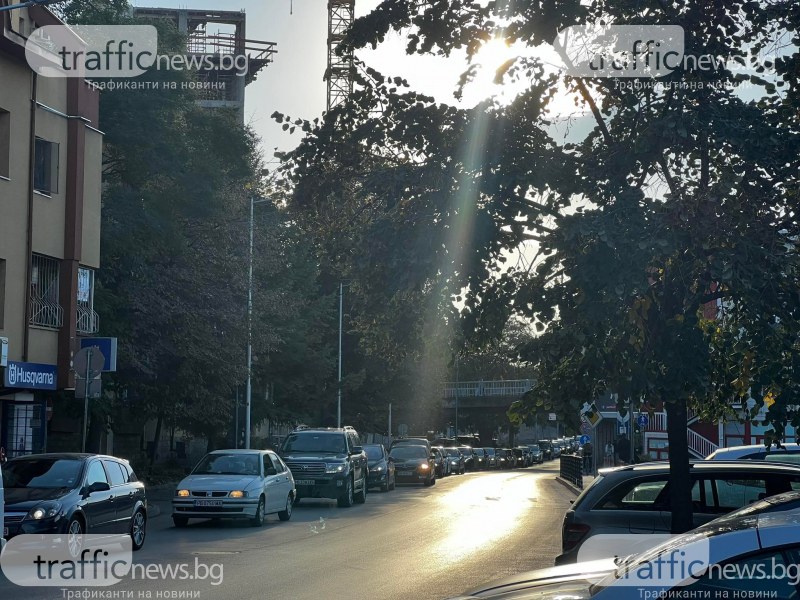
<point x="703" y="496"/>
<point x="115" y="473"/>
<point x="636" y="495"/>
<point x="277" y="462"/>
<point x="268" y="464"/>
<point x="783" y="457"/>
<point x="96" y="473"/>
<point x="736" y="493"/>
<point x="741" y="577"/>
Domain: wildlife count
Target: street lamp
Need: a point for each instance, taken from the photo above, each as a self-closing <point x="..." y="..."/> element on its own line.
<point x="339" y="394"/>
<point x="249" y="392"/>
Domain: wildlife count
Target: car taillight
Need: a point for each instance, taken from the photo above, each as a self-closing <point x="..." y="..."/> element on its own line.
<point x="572" y="534"/>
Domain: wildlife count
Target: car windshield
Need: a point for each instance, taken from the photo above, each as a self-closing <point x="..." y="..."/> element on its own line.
<point x="408" y="451"/>
<point x="479" y="452"/>
<point x="490" y="451"/>
<point x="228" y="464"/>
<point x="373" y="452"/>
<point x="314" y="442"/>
<point x="42" y="473"/>
<point x="453" y="452"/>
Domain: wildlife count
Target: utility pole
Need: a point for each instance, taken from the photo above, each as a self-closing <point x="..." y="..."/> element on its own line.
<point x="339" y="403"/>
<point x="87" y="391"/>
<point x="390" y="420"/>
<point x="456" y="395"/>
<point x="249" y="392"/>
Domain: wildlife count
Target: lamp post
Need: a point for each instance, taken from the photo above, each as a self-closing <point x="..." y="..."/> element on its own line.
<point x="249" y="393"/>
<point x="456" y="435"/>
<point x="339" y="392"/>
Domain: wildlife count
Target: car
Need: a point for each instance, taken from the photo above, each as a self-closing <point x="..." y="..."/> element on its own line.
<point x="456" y="459"/>
<point x="547" y="449"/>
<point x="413" y="464"/>
<point x="440" y="463"/>
<point x="469" y="457"/>
<point x="73" y="494"/>
<point x="789" y="453"/>
<point x="480" y="461"/>
<point x="327" y="462"/>
<point x="491" y="458"/>
<point x="522" y="457"/>
<point x="761" y="539"/>
<point x="235" y="484"/>
<point x="635" y="498"/>
<point x="381" y="467"/>
<point x="537" y="456"/>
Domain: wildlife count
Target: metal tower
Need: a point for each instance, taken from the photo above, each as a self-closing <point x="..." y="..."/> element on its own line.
<point x="341" y="14"/>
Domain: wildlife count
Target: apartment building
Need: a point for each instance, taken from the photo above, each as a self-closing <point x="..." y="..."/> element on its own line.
<point x="50" y="185"/>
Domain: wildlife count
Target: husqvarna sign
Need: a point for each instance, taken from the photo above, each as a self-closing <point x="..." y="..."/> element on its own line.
<point x="31" y="376"/>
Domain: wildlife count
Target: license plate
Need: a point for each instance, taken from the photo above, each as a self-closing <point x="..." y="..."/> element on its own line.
<point x="200" y="503"/>
<point x="304" y="482"/>
<point x="405" y="473"/>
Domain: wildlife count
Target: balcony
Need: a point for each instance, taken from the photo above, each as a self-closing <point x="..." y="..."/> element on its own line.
<point x="87" y="321"/>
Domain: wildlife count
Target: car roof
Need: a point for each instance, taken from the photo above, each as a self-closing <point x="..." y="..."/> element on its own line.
<point x="743" y="450"/>
<point x="324" y="430"/>
<point x="703" y="465"/>
<point x="66" y="456"/>
<point x="239" y="451"/>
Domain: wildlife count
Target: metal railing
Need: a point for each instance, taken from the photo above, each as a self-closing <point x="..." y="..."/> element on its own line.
<point x="87" y="320"/>
<point x="467" y="389"/>
<point x="700" y="445"/>
<point x="45" y="309"/>
<point x="657" y="422"/>
<point x="571" y="469"/>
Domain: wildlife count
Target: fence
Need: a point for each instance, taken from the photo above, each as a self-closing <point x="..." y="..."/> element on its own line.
<point x="572" y="469"/>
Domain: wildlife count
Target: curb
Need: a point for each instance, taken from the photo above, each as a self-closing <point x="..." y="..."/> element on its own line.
<point x="570" y="486"/>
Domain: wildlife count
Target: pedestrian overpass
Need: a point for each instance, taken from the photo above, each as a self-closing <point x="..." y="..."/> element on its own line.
<point x="484" y="394"/>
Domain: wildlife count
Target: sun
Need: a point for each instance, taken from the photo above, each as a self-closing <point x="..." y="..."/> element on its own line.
<point x="493" y="54"/>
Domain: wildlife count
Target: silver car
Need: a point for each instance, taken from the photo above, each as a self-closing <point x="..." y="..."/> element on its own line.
<point x="235" y="484"/>
<point x="635" y="500"/>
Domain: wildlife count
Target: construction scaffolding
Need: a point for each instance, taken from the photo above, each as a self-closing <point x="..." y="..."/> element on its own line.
<point x="339" y="74"/>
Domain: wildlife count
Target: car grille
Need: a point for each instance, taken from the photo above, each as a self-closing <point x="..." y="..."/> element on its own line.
<point x="209" y="494"/>
<point x="299" y="469"/>
<point x="209" y="509"/>
<point x="14" y="517"/>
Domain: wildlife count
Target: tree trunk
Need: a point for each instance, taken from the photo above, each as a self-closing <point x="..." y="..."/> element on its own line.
<point x="680" y="481"/>
<point x="156" y="439"/>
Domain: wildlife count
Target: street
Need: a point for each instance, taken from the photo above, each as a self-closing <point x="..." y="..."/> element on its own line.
<point x="413" y="542"/>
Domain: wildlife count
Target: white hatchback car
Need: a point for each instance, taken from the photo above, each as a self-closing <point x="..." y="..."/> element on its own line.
<point x="787" y="453"/>
<point x="235" y="484"/>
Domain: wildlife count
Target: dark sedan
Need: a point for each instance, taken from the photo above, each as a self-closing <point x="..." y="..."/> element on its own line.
<point x="381" y="467"/>
<point x="73" y="494"/>
<point x="413" y="464"/>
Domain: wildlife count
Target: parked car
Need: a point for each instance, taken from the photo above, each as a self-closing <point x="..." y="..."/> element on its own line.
<point x="522" y="457"/>
<point x="327" y="463"/>
<point x="788" y="453"/>
<point x="480" y="459"/>
<point x="635" y="498"/>
<point x="763" y="537"/>
<point x="381" y="467"/>
<point x="504" y="458"/>
<point x="413" y="464"/>
<point x="547" y="449"/>
<point x="469" y="457"/>
<point x="235" y="484"/>
<point x="457" y="460"/>
<point x="440" y="462"/>
<point x="73" y="494"/>
<point x="555" y="449"/>
<point x="491" y="458"/>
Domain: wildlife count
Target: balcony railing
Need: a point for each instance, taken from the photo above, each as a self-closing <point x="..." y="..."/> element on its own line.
<point x="700" y="445"/>
<point x="45" y="313"/>
<point x="88" y="321"/>
<point x="472" y="389"/>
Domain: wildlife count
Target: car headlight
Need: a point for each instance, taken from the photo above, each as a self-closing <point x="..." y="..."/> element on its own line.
<point x="238" y="494"/>
<point x="425" y="467"/>
<point x="453" y="462"/>
<point x="335" y="468"/>
<point x="47" y="511"/>
<point x="182" y="493"/>
<point x="378" y="469"/>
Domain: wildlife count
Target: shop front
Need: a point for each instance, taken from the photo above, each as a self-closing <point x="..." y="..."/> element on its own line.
<point x="23" y="407"/>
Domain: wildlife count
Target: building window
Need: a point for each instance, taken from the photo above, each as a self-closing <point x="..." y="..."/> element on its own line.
<point x="5" y="143"/>
<point x="45" y="168"/>
<point x="45" y="310"/>
<point x="88" y="321"/>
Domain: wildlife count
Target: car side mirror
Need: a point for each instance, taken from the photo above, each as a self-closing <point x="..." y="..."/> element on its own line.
<point x="98" y="486"/>
<point x="357" y="450"/>
<point x="271" y="471"/>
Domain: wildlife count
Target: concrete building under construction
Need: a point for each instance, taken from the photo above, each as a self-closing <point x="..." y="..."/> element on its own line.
<point x="219" y="35"/>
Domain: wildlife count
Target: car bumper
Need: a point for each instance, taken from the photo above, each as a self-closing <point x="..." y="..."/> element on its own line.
<point x="31" y="527"/>
<point x="227" y="509"/>
<point x="412" y="477"/>
<point x="321" y="487"/>
<point x="376" y="479"/>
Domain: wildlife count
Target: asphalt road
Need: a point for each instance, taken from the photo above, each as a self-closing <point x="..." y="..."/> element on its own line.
<point x="413" y="543"/>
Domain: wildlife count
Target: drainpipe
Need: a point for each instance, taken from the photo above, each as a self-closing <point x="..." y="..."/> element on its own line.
<point x="29" y="239"/>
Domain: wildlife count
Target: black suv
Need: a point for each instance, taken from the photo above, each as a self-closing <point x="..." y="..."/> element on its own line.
<point x="327" y="463"/>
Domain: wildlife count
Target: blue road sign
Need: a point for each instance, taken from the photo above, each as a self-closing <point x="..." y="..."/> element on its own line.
<point x="642" y="421"/>
<point x="584" y="439"/>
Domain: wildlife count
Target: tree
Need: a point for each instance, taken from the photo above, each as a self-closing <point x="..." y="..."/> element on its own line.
<point x="680" y="195"/>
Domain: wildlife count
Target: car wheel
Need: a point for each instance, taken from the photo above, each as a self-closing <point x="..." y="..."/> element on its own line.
<point x="180" y="521"/>
<point x="75" y="531"/>
<point x="258" y="519"/>
<point x="286" y="513"/>
<point x="361" y="496"/>
<point x="394" y="482"/>
<point x="138" y="529"/>
<point x="346" y="500"/>
<point x="385" y="486"/>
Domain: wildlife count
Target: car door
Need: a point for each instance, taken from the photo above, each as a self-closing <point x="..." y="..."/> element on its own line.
<point x="99" y="506"/>
<point x="359" y="468"/>
<point x="124" y="496"/>
<point x="631" y="507"/>
<point x="284" y="480"/>
<point x="272" y="488"/>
